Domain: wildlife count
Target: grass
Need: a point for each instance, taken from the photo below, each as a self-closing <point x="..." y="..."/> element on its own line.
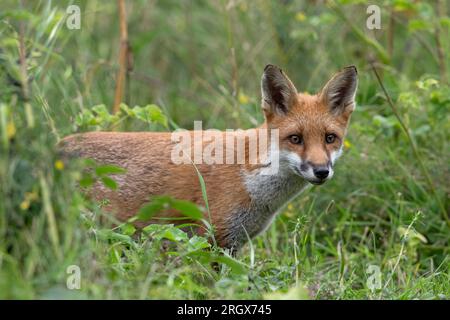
<point x="387" y="205"/>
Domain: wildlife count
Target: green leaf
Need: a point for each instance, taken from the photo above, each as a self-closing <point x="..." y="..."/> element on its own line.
<point x="17" y="15"/>
<point x="109" y="169"/>
<point x="445" y="22"/>
<point x="198" y="243"/>
<point x="147" y="211"/>
<point x="127" y="109"/>
<point x="107" y="234"/>
<point x="156" y="115"/>
<point x="101" y="110"/>
<point x="86" y="117"/>
<point x="150" y="113"/>
<point x="128" y="229"/>
<point x="174" y="234"/>
<point x="160" y="203"/>
<point x="88" y="162"/>
<point x="187" y="208"/>
<point x="166" y="231"/>
<point x="109" y="182"/>
<point x="403" y="5"/>
<point x="86" y="181"/>
<point x="235" y="266"/>
<point x="410" y="234"/>
<point x="418" y="25"/>
<point x="151" y="229"/>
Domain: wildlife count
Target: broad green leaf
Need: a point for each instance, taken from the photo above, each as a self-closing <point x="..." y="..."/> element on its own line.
<point x="101" y="110"/>
<point x="127" y="109"/>
<point x="235" y="266"/>
<point x="109" y="169"/>
<point x="109" y="182"/>
<point x="151" y="114"/>
<point x="174" y="234"/>
<point x="198" y="243"/>
<point x="17" y="15"/>
<point x="166" y="231"/>
<point x="156" y="115"/>
<point x="187" y="208"/>
<point x="107" y="234"/>
<point x="410" y="235"/>
<point x="86" y="181"/>
<point x="160" y="203"/>
<point x="149" y="210"/>
<point x="128" y="229"/>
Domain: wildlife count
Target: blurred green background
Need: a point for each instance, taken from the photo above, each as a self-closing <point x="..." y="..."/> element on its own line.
<point x="202" y="60"/>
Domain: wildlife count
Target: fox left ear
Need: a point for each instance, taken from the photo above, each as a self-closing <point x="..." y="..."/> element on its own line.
<point x="339" y="92"/>
<point x="278" y="91"/>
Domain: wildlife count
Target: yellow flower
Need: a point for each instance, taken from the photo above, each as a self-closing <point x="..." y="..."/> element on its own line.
<point x="32" y="196"/>
<point x="25" y="205"/>
<point x="347" y="144"/>
<point x="243" y="99"/>
<point x="10" y="130"/>
<point x="289" y="212"/>
<point x="59" y="165"/>
<point x="300" y="16"/>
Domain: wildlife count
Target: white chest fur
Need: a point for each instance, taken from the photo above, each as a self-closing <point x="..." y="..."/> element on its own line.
<point x="273" y="191"/>
<point x="268" y="193"/>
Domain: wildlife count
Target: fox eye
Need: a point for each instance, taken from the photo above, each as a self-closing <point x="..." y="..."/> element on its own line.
<point x="329" y="138"/>
<point x="295" y="139"/>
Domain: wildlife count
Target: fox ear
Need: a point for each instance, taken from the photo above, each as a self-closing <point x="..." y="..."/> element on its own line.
<point x="339" y="92"/>
<point x="278" y="92"/>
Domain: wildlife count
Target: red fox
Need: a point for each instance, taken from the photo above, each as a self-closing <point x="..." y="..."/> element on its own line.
<point x="243" y="199"/>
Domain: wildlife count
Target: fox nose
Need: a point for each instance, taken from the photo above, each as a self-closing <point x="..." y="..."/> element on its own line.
<point x="321" y="172"/>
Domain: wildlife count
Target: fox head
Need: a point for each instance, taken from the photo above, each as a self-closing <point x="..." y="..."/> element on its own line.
<point x="311" y="128"/>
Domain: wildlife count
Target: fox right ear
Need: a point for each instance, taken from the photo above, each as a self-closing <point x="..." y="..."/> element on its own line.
<point x="278" y="92"/>
<point x="339" y="92"/>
